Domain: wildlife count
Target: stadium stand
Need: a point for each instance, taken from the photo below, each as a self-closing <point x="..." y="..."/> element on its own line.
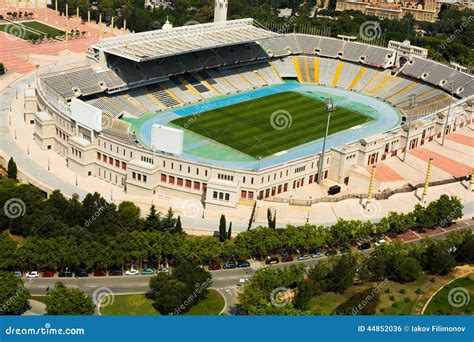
<point x="439" y="73"/>
<point x="354" y="51"/>
<point x="376" y="56"/>
<point x="308" y="43"/>
<point x="155" y="71"/>
<point x="163" y="95"/>
<point x="329" y="47"/>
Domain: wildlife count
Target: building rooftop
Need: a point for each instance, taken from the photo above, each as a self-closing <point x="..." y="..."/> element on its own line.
<point x="155" y="44"/>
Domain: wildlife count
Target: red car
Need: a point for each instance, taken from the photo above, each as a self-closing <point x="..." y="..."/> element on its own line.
<point x="287" y="258"/>
<point x="215" y="266"/>
<point x="100" y="274"/>
<point x="48" y="274"/>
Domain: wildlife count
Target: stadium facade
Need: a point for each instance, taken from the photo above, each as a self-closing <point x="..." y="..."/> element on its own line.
<point x="85" y="114"/>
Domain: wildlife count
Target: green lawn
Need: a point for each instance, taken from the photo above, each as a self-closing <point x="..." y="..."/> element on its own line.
<point x="462" y="292"/>
<point x="46" y="29"/>
<point x="139" y="305"/>
<point x="18" y="32"/>
<point x="271" y="124"/>
<point x="28" y="30"/>
<point x="402" y="299"/>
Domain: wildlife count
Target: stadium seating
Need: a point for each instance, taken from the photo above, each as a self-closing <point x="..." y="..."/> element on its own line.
<point x="163" y="95"/>
<point x="376" y="56"/>
<point x="307" y="43"/>
<point x="111" y="79"/>
<point x="354" y="51"/>
<point x="329" y="47"/>
<point x="177" y="79"/>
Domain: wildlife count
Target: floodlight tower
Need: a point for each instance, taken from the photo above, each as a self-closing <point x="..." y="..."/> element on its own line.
<point x="329" y="108"/>
<point x="220" y="10"/>
<point x="407" y="142"/>
<point x="446" y="123"/>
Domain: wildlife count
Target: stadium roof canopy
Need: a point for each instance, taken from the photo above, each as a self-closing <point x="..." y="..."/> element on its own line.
<point x="155" y="44"/>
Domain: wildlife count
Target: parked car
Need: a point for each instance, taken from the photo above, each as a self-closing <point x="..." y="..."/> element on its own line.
<point x="17" y="273"/>
<point x="81" y="274"/>
<point x="331" y="252"/>
<point x="115" y="272"/>
<point x="65" y="274"/>
<point x="242" y="281"/>
<point x="242" y="264"/>
<point x="32" y="274"/>
<point x="132" y="272"/>
<point x="344" y="249"/>
<point x="272" y="261"/>
<point x="317" y="254"/>
<point x="304" y="257"/>
<point x="380" y="243"/>
<point x="48" y="274"/>
<point x="214" y="266"/>
<point x="147" y="271"/>
<point x="364" y="246"/>
<point x="288" y="258"/>
<point x="100" y="273"/>
<point x="162" y="270"/>
<point x="230" y="265"/>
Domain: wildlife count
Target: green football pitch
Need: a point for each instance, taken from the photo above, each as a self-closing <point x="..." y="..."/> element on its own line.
<point x="271" y="124"/>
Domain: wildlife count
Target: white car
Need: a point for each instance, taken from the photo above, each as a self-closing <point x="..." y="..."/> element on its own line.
<point x="32" y="274"/>
<point x="132" y="272"/>
<point x="304" y="257"/>
<point x="380" y="242"/>
<point x="317" y="255"/>
<point x="162" y="270"/>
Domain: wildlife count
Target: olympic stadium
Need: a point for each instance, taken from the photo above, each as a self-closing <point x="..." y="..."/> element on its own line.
<point x="241" y="110"/>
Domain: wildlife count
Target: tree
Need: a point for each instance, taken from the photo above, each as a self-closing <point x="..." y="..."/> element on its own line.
<point x="169" y="222"/>
<point x="305" y="292"/>
<point x="14" y="295"/>
<point x="188" y="285"/>
<point x="2" y="69"/>
<point x="343" y="272"/>
<point x="465" y="250"/>
<point x="128" y="216"/>
<point x="252" y="215"/>
<point x="68" y="301"/>
<point x="409" y="269"/>
<point x="222" y="229"/>
<point x="171" y="297"/>
<point x="153" y="220"/>
<point x="271" y="218"/>
<point x="436" y="257"/>
<point x="229" y="232"/>
<point x="12" y="170"/>
<point x="177" y="228"/>
<point x="196" y="278"/>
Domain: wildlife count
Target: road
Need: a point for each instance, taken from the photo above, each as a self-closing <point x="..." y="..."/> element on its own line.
<point x="225" y="281"/>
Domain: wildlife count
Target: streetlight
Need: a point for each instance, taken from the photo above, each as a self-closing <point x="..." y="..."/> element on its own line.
<point x="329" y="108"/>
<point x="412" y="106"/>
<point x="259" y="158"/>
<point x="445" y="128"/>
